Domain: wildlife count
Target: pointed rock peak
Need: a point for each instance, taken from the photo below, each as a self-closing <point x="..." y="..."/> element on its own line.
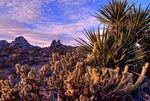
<point x="21" y="39"/>
<point x="3" y="43"/>
<point x="53" y="42"/>
<point x="20" y="42"/>
<point x="56" y="43"/>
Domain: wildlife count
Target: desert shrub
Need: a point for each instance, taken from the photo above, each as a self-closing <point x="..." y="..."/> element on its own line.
<point x="72" y="79"/>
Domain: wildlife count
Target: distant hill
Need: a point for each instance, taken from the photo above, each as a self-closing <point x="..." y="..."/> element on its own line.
<point x="21" y="51"/>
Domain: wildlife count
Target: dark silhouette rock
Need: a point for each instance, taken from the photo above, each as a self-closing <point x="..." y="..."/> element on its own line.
<point x="58" y="43"/>
<point x="58" y="46"/>
<point x="53" y="44"/>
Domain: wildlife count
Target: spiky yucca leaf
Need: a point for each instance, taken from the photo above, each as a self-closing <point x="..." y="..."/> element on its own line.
<point x="115" y="13"/>
<point x="112" y="50"/>
<point x="118" y="14"/>
<point x="139" y="22"/>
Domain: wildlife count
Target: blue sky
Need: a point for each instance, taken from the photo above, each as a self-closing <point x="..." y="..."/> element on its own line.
<point x="41" y="21"/>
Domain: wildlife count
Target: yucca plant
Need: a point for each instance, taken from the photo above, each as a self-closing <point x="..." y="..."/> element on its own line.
<point x="112" y="50"/>
<point x="126" y="27"/>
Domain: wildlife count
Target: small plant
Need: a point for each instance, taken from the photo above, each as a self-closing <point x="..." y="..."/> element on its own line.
<point x="72" y="79"/>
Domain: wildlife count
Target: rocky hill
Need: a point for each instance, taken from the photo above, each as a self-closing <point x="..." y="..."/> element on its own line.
<point x="22" y="52"/>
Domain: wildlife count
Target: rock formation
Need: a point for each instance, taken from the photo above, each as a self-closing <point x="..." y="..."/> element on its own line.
<point x="21" y="51"/>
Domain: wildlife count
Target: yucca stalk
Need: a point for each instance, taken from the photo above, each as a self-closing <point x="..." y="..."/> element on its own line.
<point x="112" y="50"/>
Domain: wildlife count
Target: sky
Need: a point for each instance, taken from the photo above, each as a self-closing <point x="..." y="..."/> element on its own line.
<point x="41" y="21"/>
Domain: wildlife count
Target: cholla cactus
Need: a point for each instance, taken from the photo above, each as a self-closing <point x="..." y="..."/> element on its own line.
<point x="90" y="83"/>
<point x="72" y="79"/>
<point x="92" y="75"/>
<point x="30" y="86"/>
<point x="8" y="90"/>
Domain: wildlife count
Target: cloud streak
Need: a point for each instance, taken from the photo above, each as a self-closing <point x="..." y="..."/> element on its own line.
<point x="21" y="10"/>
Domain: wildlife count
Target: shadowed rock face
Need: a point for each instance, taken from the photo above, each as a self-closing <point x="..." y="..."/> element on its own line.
<point x="3" y="43"/>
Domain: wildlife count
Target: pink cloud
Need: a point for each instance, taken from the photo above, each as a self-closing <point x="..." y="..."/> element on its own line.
<point x="21" y="10"/>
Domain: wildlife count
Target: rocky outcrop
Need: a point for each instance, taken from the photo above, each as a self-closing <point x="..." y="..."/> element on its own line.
<point x="20" y="42"/>
<point x="21" y="51"/>
<point x="58" y="46"/>
<point x="3" y="43"/>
